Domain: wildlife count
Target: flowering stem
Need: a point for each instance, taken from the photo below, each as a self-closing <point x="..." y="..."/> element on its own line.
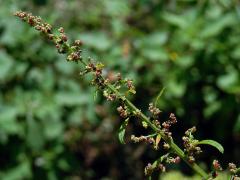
<point x="176" y="149"/>
<point x="74" y="52"/>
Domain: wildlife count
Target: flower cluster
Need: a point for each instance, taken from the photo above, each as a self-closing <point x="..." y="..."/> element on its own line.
<point x="154" y="110"/>
<point x="217" y="167"/>
<point x="34" y="21"/>
<point x="122" y="110"/>
<point x="158" y="165"/>
<point x="234" y="171"/>
<point x="167" y="124"/>
<point x="60" y="40"/>
<point x="149" y="140"/>
<point x="190" y="144"/>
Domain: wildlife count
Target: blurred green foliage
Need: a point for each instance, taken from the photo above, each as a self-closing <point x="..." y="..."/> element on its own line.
<point x="50" y="125"/>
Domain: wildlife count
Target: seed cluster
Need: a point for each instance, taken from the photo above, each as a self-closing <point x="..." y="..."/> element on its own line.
<point x="217" y="167"/>
<point x="123" y="111"/>
<point x="36" y="22"/>
<point x="148" y="169"/>
<point x="146" y="139"/>
<point x="234" y="171"/>
<point x="232" y="168"/>
<point x="167" y="124"/>
<point x="154" y="110"/>
<point x="190" y="144"/>
<point x="60" y="40"/>
<point x="159" y="164"/>
<point x="175" y="160"/>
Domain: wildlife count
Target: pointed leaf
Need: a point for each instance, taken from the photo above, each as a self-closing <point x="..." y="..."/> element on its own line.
<point x="158" y="97"/>
<point x="158" y="139"/>
<point x="212" y="143"/>
<point x="122" y="130"/>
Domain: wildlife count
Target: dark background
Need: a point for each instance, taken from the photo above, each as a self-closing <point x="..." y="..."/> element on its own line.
<point x="52" y="127"/>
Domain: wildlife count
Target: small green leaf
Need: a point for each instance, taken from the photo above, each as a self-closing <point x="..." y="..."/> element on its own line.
<point x="121" y="131"/>
<point x="212" y="143"/>
<point x="157" y="141"/>
<point x="158" y="97"/>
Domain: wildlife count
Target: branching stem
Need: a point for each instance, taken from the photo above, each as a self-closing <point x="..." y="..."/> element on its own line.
<point x="73" y="53"/>
<point x="175" y="148"/>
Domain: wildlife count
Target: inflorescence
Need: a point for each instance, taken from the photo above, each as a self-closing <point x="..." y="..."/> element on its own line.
<point x="119" y="90"/>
